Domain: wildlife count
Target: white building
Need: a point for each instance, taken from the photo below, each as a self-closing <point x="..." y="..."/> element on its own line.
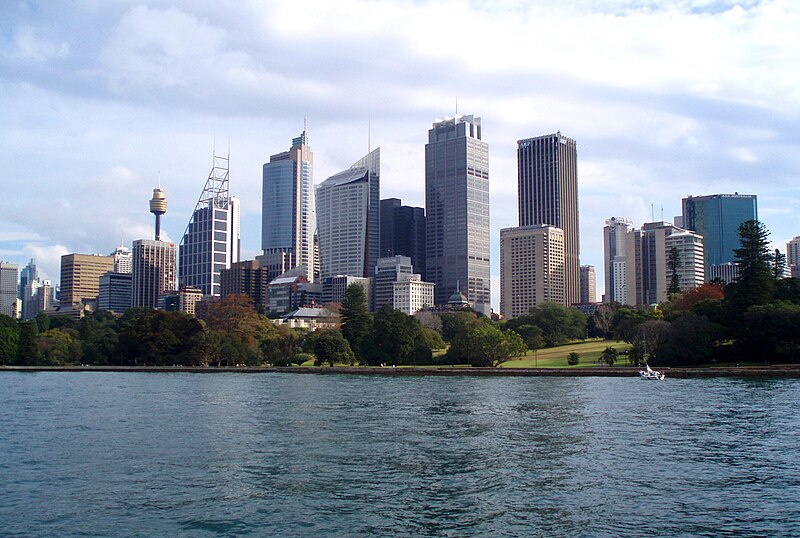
<point x="531" y="268"/>
<point x="411" y="293"/>
<point x="123" y="260"/>
<point x="691" y="271"/>
<point x="9" y="276"/>
<point x="793" y="257"/>
<point x="614" y="260"/>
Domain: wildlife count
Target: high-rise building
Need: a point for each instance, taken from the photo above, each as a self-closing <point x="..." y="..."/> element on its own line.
<point x="348" y="218"/>
<point x="412" y="294"/>
<point x="188" y="299"/>
<point x="403" y="232"/>
<point x="335" y="287"/>
<point x="531" y="268"/>
<point x="249" y="278"/>
<point x="588" y="284"/>
<point x="793" y="257"/>
<point x="388" y="271"/>
<point x="80" y="277"/>
<point x="717" y="218"/>
<point x="123" y="259"/>
<point x="9" y="274"/>
<point x="211" y="242"/>
<point x="28" y="274"/>
<point x="154" y="271"/>
<point x="614" y="263"/>
<point x="691" y="264"/>
<point x="115" y="292"/>
<point x="548" y="194"/>
<point x="457" y="211"/>
<point x="287" y="209"/>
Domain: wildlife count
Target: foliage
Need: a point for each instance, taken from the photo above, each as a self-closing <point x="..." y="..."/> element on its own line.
<point x="281" y="345"/>
<point x="627" y="319"/>
<point x="600" y="324"/>
<point x="331" y="347"/>
<point x="687" y="300"/>
<point x="42" y="321"/>
<point x="673" y="266"/>
<point x="454" y="323"/>
<point x="609" y="356"/>
<point x="778" y="264"/>
<point x="57" y="348"/>
<point x="772" y="331"/>
<point x="689" y="341"/>
<point x="532" y="335"/>
<point x="27" y="351"/>
<point x="430" y="320"/>
<point x="432" y="338"/>
<point x="238" y="334"/>
<point x="573" y="359"/>
<point x="483" y="344"/>
<point x="558" y="323"/>
<point x="156" y="337"/>
<point x="9" y="339"/>
<point x="651" y="337"/>
<point x="302" y="358"/>
<point x="396" y="338"/>
<point x="755" y="284"/>
<point x="355" y="317"/>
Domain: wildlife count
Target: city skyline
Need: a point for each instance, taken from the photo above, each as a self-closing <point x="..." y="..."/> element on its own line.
<point x="109" y="95"/>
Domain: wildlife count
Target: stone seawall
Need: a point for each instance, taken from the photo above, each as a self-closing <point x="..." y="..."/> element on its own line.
<point x="786" y="371"/>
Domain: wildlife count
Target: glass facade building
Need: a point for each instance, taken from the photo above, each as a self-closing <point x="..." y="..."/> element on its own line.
<point x="548" y="194"/>
<point x="457" y="211"/>
<point x="287" y="208"/>
<point x="717" y="218"/>
<point x="403" y="232"/>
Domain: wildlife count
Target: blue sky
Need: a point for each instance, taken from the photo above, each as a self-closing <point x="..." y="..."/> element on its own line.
<point x="664" y="99"/>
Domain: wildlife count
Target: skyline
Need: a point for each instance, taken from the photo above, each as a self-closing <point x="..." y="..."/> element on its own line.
<point x="663" y="102"/>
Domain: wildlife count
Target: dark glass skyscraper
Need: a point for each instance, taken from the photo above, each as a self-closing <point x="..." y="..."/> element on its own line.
<point x="548" y="194"/>
<point x="717" y="218"/>
<point x="403" y="232"/>
<point x="457" y="210"/>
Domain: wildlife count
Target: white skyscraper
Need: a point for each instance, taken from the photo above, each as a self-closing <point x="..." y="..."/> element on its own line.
<point x="9" y="274"/>
<point x="123" y="260"/>
<point x="793" y="256"/>
<point x="614" y="262"/>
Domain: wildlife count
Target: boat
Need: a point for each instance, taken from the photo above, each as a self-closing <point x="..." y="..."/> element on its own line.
<point x="649" y="373"/>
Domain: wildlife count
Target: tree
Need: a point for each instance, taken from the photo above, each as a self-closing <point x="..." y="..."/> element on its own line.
<point x="558" y="323"/>
<point x="483" y="344"/>
<point x="241" y="332"/>
<point x="156" y="337"/>
<point x="689" y="341"/>
<point x="355" y="317"/>
<point x="331" y="347"/>
<point x="27" y="352"/>
<point x="778" y="264"/>
<point x="531" y="335"/>
<point x="609" y="356"/>
<point x="429" y="320"/>
<point x="9" y="339"/>
<point x="673" y="266"/>
<point x="42" y="321"/>
<point x="651" y="337"/>
<point x="57" y="348"/>
<point x="755" y="284"/>
<point x="454" y="323"/>
<point x="573" y="359"/>
<point x="396" y="338"/>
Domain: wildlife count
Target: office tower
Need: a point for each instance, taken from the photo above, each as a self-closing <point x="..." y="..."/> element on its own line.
<point x="188" y="299"/>
<point x="457" y="211"/>
<point x="80" y="277"/>
<point x="793" y="257"/>
<point x="123" y="259"/>
<point x="45" y="297"/>
<point x="548" y="194"/>
<point x="387" y="272"/>
<point x="154" y="271"/>
<point x="614" y="262"/>
<point x="411" y="294"/>
<point x="287" y="209"/>
<point x="348" y="218"/>
<point x="249" y="278"/>
<point x="691" y="264"/>
<point x="9" y="274"/>
<point x="334" y="287"/>
<point x="403" y="232"/>
<point x="115" y="292"/>
<point x="211" y="241"/>
<point x="531" y="268"/>
<point x="717" y="218"/>
<point x="647" y="261"/>
<point x="588" y="284"/>
<point x="28" y="274"/>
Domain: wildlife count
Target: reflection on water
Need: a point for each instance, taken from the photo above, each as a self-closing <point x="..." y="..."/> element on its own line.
<point x="198" y="454"/>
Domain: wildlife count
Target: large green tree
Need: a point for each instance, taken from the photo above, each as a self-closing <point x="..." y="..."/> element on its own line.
<point x="558" y="323"/>
<point x="355" y="317"/>
<point x="755" y="284"/>
<point x="673" y="266"/>
<point x="396" y="338"/>
<point x="331" y="347"/>
<point x="483" y="344"/>
<point x="9" y="339"/>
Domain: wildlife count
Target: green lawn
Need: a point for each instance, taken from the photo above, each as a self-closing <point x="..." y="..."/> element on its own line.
<point x="556" y="357"/>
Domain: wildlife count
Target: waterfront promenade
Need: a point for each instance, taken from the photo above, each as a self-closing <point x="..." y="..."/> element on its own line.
<point x="775" y="371"/>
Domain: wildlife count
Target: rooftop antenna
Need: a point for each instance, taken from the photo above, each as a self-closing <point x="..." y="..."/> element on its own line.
<point x="456" y="106"/>
<point x="662" y="213"/>
<point x="652" y="213"/>
<point x="369" y="133"/>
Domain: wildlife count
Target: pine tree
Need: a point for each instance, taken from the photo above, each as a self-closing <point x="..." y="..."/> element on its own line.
<point x="755" y="284"/>
<point x="355" y="317"/>
<point x="674" y="264"/>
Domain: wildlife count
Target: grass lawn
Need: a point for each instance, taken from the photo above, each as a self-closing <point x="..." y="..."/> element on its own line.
<point x="556" y="357"/>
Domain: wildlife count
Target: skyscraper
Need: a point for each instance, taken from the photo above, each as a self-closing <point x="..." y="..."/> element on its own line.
<point x="403" y="232"/>
<point x="80" y="277"/>
<point x="717" y="218"/>
<point x="457" y="211"/>
<point x="287" y="209"/>
<point x="154" y="271"/>
<point x="348" y="219"/>
<point x="614" y="263"/>
<point x="531" y="268"/>
<point x="588" y="284"/>
<point x="548" y="194"/>
<point x="123" y="259"/>
<point x="211" y="242"/>
<point x="793" y="257"/>
<point x="9" y="272"/>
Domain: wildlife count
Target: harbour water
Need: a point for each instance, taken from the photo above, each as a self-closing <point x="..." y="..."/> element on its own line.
<point x="124" y="454"/>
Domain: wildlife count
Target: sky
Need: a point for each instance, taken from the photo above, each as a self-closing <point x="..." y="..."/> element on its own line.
<point x="665" y="99"/>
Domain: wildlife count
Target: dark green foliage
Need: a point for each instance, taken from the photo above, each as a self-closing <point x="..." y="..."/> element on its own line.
<point x="454" y="323"/>
<point x="99" y="336"/>
<point x="778" y="264"/>
<point x="772" y="332"/>
<point x="609" y="356"/>
<point x="573" y="359"/>
<point x="689" y="341"/>
<point x="756" y="284"/>
<point x="674" y="265"/>
<point x="532" y="335"/>
<point x="9" y="339"/>
<point x="281" y="346"/>
<point x="331" y="347"/>
<point x="483" y="344"/>
<point x="355" y="317"/>
<point x="27" y="352"/>
<point x="302" y="358"/>
<point x="42" y="322"/>
<point x="396" y="338"/>
<point x="156" y="337"/>
<point x="788" y="289"/>
<point x="558" y="323"/>
<point x="56" y="347"/>
<point x="626" y="321"/>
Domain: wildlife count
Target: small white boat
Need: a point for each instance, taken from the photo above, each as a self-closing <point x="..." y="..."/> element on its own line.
<point x="651" y="374"/>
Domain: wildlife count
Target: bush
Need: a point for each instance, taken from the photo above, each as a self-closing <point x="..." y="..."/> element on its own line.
<point x="573" y="359"/>
<point x="300" y="358"/>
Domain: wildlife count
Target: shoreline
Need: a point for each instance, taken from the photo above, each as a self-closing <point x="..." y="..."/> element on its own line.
<point x="780" y="371"/>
